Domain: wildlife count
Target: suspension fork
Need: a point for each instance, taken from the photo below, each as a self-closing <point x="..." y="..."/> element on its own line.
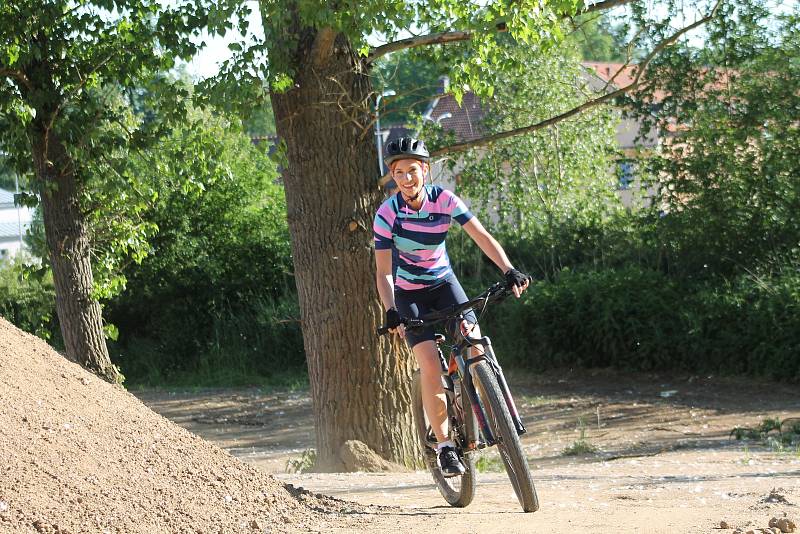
<point x="501" y="381"/>
<point x="490" y="357"/>
<point x="466" y="376"/>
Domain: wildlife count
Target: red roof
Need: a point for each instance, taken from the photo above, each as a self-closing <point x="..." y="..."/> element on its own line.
<point x="466" y="119"/>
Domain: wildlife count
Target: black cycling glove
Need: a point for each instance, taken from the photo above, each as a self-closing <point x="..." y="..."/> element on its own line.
<point x="515" y="278"/>
<point x="393" y="319"/>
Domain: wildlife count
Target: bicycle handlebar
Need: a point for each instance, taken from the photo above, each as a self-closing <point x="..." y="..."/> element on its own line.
<point x="494" y="293"/>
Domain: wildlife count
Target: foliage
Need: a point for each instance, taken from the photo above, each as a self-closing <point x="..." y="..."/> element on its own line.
<point x="599" y="39"/>
<point x="728" y="171"/>
<point x="65" y="69"/>
<point x="302" y="464"/>
<point x="778" y="435"/>
<point x="413" y="78"/>
<point x="57" y="60"/>
<point x="532" y="184"/>
<point x="8" y="180"/>
<point x="260" y="123"/>
<point x="489" y="463"/>
<point x="634" y="318"/>
<point x="216" y="287"/>
<point x="580" y="445"/>
<point x="27" y="299"/>
<point x="470" y="64"/>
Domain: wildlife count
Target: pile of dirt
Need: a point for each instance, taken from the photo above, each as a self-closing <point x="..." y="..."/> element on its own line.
<point x="78" y="454"/>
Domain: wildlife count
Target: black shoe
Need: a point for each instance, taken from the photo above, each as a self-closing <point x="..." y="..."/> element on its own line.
<point x="449" y="463"/>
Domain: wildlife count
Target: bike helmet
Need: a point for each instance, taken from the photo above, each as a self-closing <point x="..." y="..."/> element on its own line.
<point x="406" y="148"/>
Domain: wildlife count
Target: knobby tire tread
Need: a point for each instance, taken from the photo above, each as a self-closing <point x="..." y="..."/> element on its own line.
<point x="509" y="444"/>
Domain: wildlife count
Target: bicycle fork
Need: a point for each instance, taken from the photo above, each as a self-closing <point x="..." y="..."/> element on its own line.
<point x="478" y="409"/>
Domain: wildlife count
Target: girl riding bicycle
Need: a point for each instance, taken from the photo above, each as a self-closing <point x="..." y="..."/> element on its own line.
<point x="414" y="275"/>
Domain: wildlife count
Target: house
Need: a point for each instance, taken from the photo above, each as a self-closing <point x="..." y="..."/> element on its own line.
<point x="14" y="222"/>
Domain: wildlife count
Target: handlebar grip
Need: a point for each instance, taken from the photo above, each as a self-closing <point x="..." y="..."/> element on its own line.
<point x="383" y="330"/>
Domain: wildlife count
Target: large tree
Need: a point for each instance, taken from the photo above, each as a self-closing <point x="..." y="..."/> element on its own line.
<point x="62" y="67"/>
<point x="319" y="76"/>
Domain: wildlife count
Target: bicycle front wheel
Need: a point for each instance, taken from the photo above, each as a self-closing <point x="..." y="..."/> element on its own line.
<point x="458" y="491"/>
<point x="508" y="443"/>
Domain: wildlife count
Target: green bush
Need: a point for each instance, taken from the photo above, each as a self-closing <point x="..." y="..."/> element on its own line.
<point x="217" y="284"/>
<point x="27" y="299"/>
<point x="641" y="320"/>
<point x="260" y="343"/>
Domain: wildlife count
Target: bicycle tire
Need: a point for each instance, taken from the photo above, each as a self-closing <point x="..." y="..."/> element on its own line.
<point x="508" y="443"/>
<point x="458" y="491"/>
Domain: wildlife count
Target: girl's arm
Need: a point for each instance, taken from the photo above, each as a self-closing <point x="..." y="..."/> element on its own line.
<point x="492" y="249"/>
<point x="385" y="283"/>
<point x="487" y="244"/>
<point x="383" y="277"/>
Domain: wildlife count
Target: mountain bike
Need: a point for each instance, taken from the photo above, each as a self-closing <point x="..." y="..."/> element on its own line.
<point x="489" y="416"/>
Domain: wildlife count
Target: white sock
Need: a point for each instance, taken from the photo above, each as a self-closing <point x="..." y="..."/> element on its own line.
<point x="443" y="444"/>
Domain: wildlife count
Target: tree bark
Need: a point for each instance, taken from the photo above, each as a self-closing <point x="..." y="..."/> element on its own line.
<point x="360" y="384"/>
<point x="79" y="313"/>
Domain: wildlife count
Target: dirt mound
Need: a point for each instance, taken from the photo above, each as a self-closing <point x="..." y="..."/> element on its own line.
<point x="78" y="454"/>
<point x="357" y="456"/>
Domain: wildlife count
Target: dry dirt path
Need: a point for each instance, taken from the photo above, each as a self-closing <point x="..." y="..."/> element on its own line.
<point x="664" y="461"/>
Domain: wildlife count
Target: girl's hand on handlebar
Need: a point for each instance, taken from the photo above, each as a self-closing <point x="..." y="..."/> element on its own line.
<point x="395" y="322"/>
<point x="400" y="330"/>
<point x="517" y="281"/>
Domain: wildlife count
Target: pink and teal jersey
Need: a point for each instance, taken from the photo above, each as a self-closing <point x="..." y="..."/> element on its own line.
<point x="416" y="238"/>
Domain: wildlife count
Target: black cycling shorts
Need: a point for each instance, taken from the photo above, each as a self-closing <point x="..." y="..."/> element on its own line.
<point x="419" y="302"/>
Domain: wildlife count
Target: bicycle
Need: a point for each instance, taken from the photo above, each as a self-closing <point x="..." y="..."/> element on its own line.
<point x="493" y="418"/>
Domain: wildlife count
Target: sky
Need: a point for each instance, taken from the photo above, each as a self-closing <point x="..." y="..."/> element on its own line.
<point x="208" y="61"/>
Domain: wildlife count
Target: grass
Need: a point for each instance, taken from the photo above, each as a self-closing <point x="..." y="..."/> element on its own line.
<point x="779" y="437"/>
<point x="489" y="463"/>
<point x="290" y="379"/>
<point x="776" y="435"/>
<point x="302" y="464"/>
<point x="581" y="445"/>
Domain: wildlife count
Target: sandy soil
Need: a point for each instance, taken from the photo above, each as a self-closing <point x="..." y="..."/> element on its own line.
<point x="665" y="461"/>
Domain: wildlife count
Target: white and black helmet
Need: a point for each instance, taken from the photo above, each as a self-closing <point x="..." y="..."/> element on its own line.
<point x="406" y="148"/>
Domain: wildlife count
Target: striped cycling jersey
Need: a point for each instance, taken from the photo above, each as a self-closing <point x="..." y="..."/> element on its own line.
<point x="416" y="238"/>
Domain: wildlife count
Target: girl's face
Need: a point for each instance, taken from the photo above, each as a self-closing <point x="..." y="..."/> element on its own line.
<point x="409" y="175"/>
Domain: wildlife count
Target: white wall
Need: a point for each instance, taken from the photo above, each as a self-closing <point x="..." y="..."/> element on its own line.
<point x="11" y="218"/>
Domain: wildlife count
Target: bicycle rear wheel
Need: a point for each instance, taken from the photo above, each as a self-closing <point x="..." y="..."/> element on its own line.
<point x="458" y="491"/>
<point x="508" y="443"/>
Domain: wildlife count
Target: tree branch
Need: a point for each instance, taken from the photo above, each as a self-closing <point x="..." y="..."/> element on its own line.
<point x="414" y="42"/>
<point x="17" y="75"/>
<point x="489" y="139"/>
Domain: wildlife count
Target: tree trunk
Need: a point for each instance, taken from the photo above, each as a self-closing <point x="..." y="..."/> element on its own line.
<point x="68" y="243"/>
<point x="360" y="384"/>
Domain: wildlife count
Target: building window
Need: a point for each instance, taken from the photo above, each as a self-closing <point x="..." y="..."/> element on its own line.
<point x="624" y="174"/>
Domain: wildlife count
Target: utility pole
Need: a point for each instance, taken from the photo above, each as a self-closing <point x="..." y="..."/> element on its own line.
<point x="378" y="132"/>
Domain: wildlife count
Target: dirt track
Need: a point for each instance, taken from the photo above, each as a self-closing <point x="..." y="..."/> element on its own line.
<point x="664" y="460"/>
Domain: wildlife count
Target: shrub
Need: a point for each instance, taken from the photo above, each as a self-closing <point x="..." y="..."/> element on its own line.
<point x="27" y="299"/>
<point x="639" y="319"/>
